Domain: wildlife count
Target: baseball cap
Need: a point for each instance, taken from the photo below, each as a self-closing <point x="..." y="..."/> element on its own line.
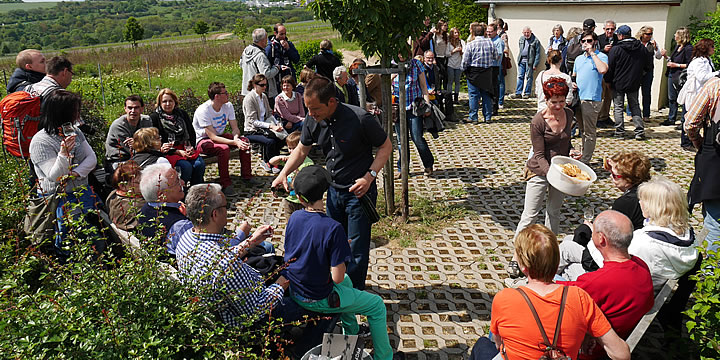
<point x="588" y="24"/>
<point x="623" y="30"/>
<point x="312" y="182"/>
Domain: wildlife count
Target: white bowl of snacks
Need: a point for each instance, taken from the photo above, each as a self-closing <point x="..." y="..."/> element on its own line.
<point x="570" y="176"/>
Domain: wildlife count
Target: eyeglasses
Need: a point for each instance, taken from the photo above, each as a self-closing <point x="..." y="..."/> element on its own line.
<point x="71" y="72"/>
<point x="558" y="84"/>
<point x="649" y="34"/>
<point x="611" y="29"/>
<point x="261" y="85"/>
<point x="615" y="176"/>
<point x="586" y="40"/>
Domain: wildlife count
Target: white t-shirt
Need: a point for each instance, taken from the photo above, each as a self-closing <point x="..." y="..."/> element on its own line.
<point x="206" y="116"/>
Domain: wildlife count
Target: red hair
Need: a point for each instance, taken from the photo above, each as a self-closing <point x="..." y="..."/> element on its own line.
<point x="555" y="86"/>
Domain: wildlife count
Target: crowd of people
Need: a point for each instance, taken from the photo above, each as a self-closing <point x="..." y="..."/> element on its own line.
<point x="156" y="170"/>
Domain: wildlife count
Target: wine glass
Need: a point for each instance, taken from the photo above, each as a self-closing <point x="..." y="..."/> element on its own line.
<point x="171" y="139"/>
<point x="589" y="214"/>
<point x="269" y="219"/>
<point x="68" y="130"/>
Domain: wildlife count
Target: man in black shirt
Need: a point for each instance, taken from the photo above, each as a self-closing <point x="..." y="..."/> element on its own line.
<point x="605" y="42"/>
<point x="347" y="134"/>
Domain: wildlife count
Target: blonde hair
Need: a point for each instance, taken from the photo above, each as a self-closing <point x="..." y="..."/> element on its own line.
<point x="684" y="35"/>
<point x="537" y="249"/>
<point x="642" y="31"/>
<point x="146" y="138"/>
<point x="25" y="57"/>
<point x="664" y="204"/>
<point x="573" y="32"/>
<point x="293" y="139"/>
<point x="163" y="92"/>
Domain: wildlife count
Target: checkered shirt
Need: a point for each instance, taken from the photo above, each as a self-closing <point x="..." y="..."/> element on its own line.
<point x="412" y="83"/>
<point x="206" y="261"/>
<point x="704" y="103"/>
<point x="480" y="52"/>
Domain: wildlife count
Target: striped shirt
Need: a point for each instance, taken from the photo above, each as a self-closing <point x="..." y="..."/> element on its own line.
<point x="480" y="52"/>
<point x="208" y="262"/>
<point x="704" y="103"/>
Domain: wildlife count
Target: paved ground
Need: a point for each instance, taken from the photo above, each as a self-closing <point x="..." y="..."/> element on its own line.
<point x="439" y="294"/>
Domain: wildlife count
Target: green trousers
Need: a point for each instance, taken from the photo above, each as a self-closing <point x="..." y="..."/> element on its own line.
<point x="354" y="301"/>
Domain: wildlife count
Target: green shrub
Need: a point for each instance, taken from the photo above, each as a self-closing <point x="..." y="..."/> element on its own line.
<point x="706" y="28"/>
<point x="704" y="324"/>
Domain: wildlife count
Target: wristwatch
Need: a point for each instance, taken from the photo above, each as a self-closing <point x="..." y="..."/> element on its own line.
<point x="372" y="173"/>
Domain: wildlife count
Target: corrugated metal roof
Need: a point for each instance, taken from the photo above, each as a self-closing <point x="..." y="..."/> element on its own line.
<point x="579" y="2"/>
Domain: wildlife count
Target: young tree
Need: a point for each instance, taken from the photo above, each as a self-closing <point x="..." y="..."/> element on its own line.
<point x="240" y="29"/>
<point x="133" y="31"/>
<point x="201" y="28"/>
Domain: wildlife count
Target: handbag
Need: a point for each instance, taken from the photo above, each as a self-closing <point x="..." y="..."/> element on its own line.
<point x="506" y="64"/>
<point x="551" y="351"/>
<point x="40" y="218"/>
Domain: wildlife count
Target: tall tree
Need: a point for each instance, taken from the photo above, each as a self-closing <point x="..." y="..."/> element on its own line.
<point x="201" y="28"/>
<point x="133" y="31"/>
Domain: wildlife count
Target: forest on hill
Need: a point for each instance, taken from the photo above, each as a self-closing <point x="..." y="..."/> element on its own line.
<point x="90" y="22"/>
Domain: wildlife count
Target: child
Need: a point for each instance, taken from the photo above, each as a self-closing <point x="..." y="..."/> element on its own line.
<point x="290" y="204"/>
<point x="317" y="276"/>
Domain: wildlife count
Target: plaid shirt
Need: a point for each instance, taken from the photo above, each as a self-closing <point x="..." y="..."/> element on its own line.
<point x="412" y="83"/>
<point x="480" y="52"/>
<point x="704" y="103"/>
<point x="206" y="261"/>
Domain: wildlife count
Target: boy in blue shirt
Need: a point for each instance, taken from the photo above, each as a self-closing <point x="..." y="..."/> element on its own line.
<point x="317" y="248"/>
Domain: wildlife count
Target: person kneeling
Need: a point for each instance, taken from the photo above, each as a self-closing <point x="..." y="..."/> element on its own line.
<point x="317" y="248"/>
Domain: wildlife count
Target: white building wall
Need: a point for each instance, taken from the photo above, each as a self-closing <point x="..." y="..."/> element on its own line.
<point x="542" y="18"/>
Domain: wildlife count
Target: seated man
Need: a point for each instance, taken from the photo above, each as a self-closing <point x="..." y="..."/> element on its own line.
<point x="210" y="120"/>
<point x="162" y="189"/>
<point x="118" y="144"/>
<point x="345" y="89"/>
<point x="206" y="257"/>
<point x="317" y="276"/>
<point x="622" y="288"/>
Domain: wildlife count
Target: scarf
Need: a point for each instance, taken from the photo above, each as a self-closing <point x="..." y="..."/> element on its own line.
<point x="173" y="124"/>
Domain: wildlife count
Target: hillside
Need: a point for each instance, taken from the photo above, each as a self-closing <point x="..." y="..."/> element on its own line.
<point x="69" y="24"/>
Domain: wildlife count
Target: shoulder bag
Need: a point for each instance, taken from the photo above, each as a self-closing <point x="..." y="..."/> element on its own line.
<point x="40" y="219"/>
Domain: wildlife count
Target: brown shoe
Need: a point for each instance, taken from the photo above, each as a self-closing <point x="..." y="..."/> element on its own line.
<point x="428" y="171"/>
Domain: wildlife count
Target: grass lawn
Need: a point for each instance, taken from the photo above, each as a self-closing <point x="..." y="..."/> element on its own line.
<point x="5" y="7"/>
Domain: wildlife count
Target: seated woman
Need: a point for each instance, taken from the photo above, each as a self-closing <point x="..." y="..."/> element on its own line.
<point x="125" y="201"/>
<point x="666" y="243"/>
<point x="306" y="74"/>
<point x="513" y="325"/>
<point x="289" y="104"/>
<point x="175" y="127"/>
<point x="63" y="159"/>
<point x="628" y="169"/>
<point x="260" y="124"/>
<point x="148" y="148"/>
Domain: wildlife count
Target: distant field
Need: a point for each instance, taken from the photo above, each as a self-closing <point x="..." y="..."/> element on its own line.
<point x="5" y="7"/>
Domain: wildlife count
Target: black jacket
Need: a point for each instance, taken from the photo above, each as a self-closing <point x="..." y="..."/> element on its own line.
<point x="22" y="78"/>
<point x="627" y="62"/>
<point x="325" y="62"/>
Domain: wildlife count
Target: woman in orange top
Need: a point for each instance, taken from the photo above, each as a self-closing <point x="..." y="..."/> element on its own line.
<point x="512" y="324"/>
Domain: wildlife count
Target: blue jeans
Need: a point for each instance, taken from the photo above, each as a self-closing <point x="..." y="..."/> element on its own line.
<point x="345" y="208"/>
<point x="525" y="73"/>
<point x="192" y="172"/>
<point x="484" y="349"/>
<point x="454" y="78"/>
<point x="645" y="88"/>
<point x="501" y="88"/>
<point x="270" y="146"/>
<point x="475" y="93"/>
<point x="672" y="99"/>
<point x="295" y="126"/>
<point x="712" y="223"/>
<point x="416" y="135"/>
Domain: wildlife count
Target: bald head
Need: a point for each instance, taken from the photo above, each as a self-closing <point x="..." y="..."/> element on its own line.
<point x="616" y="227"/>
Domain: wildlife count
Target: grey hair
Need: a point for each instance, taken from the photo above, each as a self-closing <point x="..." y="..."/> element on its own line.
<point x="200" y="202"/>
<point x="619" y="235"/>
<point x="609" y="21"/>
<point x="153" y="181"/>
<point x="558" y="27"/>
<point x="258" y="35"/>
<point x="338" y="71"/>
<point x="526" y="28"/>
<point x="326" y="44"/>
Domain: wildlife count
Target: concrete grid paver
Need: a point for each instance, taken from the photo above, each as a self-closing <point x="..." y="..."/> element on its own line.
<point x="439" y="293"/>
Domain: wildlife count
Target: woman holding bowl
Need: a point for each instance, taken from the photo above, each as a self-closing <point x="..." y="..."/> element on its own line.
<point x="175" y="128"/>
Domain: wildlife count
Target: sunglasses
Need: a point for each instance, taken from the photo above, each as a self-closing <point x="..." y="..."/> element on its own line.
<point x="586" y="40"/>
<point x="615" y="176"/>
<point x="262" y="85"/>
<point x="558" y="84"/>
<point x="649" y="34"/>
<point x="613" y="29"/>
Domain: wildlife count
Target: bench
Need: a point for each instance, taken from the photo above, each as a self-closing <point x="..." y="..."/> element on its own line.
<point x="133" y="245"/>
<point x="644" y="324"/>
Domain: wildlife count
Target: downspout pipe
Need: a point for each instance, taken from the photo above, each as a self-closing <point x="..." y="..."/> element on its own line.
<point x="491" y="11"/>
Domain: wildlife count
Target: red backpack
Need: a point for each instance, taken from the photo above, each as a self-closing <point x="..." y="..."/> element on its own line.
<point x="20" y="113"/>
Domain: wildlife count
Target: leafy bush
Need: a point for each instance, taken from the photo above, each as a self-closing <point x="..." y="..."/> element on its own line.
<point x="704" y="324"/>
<point x="463" y="12"/>
<point x="14" y="190"/>
<point x="707" y="28"/>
